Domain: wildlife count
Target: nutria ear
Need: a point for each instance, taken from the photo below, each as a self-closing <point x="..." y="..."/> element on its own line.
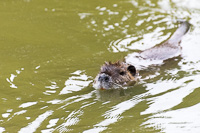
<point x="131" y="69"/>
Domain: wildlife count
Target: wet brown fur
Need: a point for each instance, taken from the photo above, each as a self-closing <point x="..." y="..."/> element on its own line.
<point x="121" y="73"/>
<point x="118" y="71"/>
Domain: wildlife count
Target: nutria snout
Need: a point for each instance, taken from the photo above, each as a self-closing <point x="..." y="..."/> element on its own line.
<point x="119" y="74"/>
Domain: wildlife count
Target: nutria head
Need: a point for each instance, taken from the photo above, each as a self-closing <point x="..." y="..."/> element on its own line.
<point x="114" y="75"/>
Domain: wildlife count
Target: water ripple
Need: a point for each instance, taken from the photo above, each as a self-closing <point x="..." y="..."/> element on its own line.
<point x="72" y="119"/>
<point x="32" y="127"/>
<point x="136" y="43"/>
<point x="76" y="82"/>
<point x="168" y="99"/>
<point x="181" y="120"/>
<point x="113" y="115"/>
<point x="12" y="77"/>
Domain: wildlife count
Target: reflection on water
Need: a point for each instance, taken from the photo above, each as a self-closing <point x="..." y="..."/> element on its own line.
<point x="176" y="120"/>
<point x="12" y="77"/>
<point x="51" y="50"/>
<point x="76" y="83"/>
<point x="186" y="87"/>
<point x="36" y="123"/>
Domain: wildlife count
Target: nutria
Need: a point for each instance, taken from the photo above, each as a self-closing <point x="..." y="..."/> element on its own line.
<point x="119" y="74"/>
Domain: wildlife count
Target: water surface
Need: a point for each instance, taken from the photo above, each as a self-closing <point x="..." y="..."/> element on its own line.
<point x="50" y="52"/>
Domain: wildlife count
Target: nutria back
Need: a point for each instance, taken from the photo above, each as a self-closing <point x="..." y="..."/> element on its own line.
<point x="157" y="54"/>
<point x="170" y="48"/>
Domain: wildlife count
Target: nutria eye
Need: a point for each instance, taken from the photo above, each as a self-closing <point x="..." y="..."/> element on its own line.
<point x="122" y="73"/>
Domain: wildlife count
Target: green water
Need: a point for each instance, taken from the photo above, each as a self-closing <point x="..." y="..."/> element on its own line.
<point x="51" y="50"/>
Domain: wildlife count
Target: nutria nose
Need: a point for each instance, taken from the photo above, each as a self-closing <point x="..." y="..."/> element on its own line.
<point x="103" y="78"/>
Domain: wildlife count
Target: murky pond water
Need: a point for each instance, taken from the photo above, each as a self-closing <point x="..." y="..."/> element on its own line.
<point x="51" y="50"/>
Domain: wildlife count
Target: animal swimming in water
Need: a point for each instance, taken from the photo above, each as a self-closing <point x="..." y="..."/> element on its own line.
<point x="119" y="74"/>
